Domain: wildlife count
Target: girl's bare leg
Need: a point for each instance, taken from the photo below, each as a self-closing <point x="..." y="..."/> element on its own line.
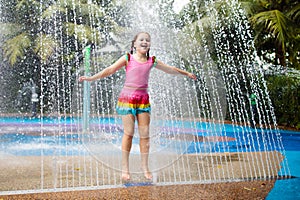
<point x="128" y="123"/>
<point x="143" y="126"/>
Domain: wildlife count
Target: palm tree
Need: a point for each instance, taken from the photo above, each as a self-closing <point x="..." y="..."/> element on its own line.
<point x="81" y="23"/>
<point x="277" y="31"/>
<point x="19" y="30"/>
<point x="51" y="35"/>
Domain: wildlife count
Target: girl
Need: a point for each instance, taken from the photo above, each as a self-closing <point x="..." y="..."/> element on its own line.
<point x="133" y="103"/>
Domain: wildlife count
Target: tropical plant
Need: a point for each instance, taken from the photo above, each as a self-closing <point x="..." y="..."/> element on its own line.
<point x="38" y="26"/>
<point x="48" y="37"/>
<point x="20" y="29"/>
<point x="285" y="95"/>
<point x="277" y="30"/>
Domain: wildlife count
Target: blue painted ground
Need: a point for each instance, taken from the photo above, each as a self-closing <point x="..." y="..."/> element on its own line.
<point x="246" y="139"/>
<point x="289" y="189"/>
<point x="133" y="184"/>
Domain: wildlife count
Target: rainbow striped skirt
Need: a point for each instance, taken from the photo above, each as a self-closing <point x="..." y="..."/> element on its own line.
<point x="133" y="101"/>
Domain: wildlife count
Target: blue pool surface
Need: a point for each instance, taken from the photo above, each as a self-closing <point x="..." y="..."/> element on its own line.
<point x="71" y="144"/>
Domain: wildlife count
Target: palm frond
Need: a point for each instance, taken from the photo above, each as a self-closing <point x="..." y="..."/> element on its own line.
<point x="275" y="22"/>
<point x="26" y="3"/>
<point x="294" y="13"/>
<point x="91" y="10"/>
<point x="83" y="33"/>
<point x="14" y="48"/>
<point x="83" y="9"/>
<point x="52" y="10"/>
<point x="44" y="46"/>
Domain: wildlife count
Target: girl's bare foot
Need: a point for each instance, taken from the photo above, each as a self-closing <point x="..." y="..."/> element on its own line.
<point x="125" y="176"/>
<point x="148" y="175"/>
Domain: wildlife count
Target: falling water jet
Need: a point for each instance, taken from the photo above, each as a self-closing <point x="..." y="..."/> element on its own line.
<point x="178" y="114"/>
<point x="30" y="87"/>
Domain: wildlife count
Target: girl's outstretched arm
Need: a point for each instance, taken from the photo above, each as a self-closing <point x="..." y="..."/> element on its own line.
<point x="107" y="71"/>
<point x="174" y="70"/>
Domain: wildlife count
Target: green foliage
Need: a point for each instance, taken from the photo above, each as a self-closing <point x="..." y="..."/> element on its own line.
<point x="47" y="38"/>
<point x="285" y="94"/>
<point x="192" y="12"/>
<point x="277" y="41"/>
<point x="78" y="21"/>
<point x="276" y="24"/>
<point x="277" y="30"/>
<point x="69" y="8"/>
<point x="45" y="47"/>
<point x="84" y="34"/>
<point x="15" y="47"/>
<point x="52" y="10"/>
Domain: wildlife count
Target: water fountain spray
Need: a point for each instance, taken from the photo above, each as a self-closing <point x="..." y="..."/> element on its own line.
<point x="190" y="141"/>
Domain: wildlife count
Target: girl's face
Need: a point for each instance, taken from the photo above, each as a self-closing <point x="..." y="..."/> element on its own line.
<point x="142" y="43"/>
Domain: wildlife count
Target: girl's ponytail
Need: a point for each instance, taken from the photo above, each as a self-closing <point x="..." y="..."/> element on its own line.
<point x="132" y="47"/>
<point x="148" y="54"/>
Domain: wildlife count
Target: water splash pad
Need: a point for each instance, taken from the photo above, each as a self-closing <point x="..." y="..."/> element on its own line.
<point x="77" y="136"/>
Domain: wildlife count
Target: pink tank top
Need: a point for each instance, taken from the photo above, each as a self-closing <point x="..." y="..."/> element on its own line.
<point x="137" y="74"/>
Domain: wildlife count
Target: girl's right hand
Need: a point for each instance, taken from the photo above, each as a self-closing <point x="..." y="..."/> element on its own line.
<point x="84" y="78"/>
